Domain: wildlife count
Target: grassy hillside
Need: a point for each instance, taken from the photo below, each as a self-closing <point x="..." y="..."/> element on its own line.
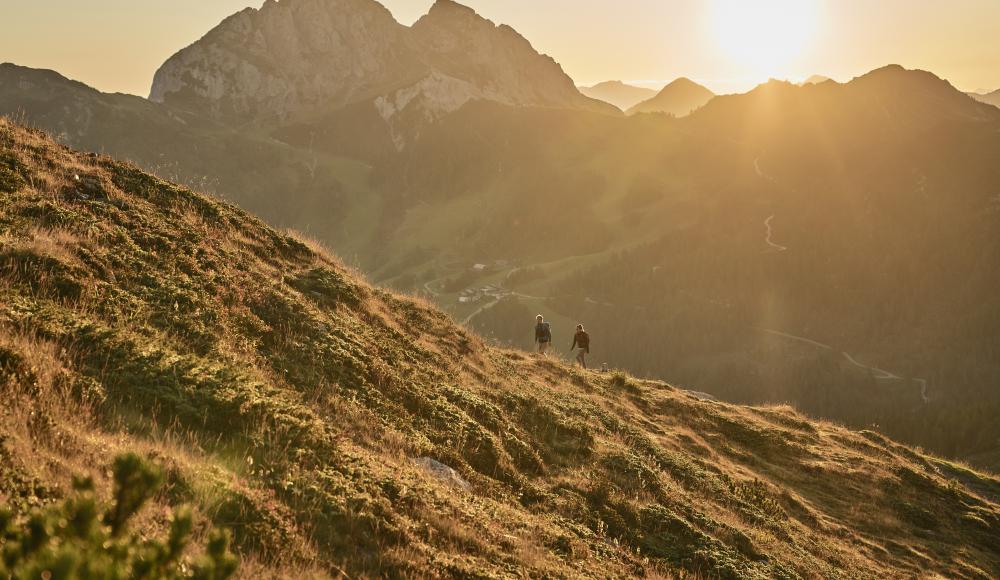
<point x="291" y="402"/>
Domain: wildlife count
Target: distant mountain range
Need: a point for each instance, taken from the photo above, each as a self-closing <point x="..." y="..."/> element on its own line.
<point x="679" y="98"/>
<point x="857" y="216"/>
<point x="988" y="98"/>
<point x="619" y="94"/>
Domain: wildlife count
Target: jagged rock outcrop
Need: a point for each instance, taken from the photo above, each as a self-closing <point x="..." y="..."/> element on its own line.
<point x="295" y="58"/>
<point x="501" y="63"/>
<point x="289" y="57"/>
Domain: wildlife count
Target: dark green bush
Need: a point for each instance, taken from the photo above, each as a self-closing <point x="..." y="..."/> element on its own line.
<point x="78" y="539"/>
<point x="11" y="174"/>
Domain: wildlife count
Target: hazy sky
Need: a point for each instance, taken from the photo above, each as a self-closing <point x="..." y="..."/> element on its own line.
<point x="116" y="45"/>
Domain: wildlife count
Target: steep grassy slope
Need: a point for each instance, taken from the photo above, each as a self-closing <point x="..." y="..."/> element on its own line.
<point x="297" y="405"/>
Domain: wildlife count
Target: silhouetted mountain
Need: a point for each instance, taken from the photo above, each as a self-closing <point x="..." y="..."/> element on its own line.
<point x="903" y="101"/>
<point x="679" y="98"/>
<point x="816" y="80"/>
<point x="619" y="94"/>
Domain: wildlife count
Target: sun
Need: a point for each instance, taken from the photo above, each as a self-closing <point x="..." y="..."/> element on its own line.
<point x="764" y="36"/>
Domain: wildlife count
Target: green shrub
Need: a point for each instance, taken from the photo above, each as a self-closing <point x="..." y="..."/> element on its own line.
<point x="78" y="539"/>
<point x="11" y="174"/>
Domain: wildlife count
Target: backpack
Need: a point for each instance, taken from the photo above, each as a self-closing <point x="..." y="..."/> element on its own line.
<point x="544" y="332"/>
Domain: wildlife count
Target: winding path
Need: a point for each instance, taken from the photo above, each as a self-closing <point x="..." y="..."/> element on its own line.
<point x="496" y="300"/>
<point x="769" y="236"/>
<point x="759" y="171"/>
<point x="480" y="310"/>
<point x="768" y="223"/>
<point x="879" y="374"/>
<point x="431" y="291"/>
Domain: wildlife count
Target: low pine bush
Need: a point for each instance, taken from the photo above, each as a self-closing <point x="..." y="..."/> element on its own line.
<point x="78" y="538"/>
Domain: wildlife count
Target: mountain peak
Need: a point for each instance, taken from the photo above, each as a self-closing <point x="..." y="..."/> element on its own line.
<point x="686" y="84"/>
<point x="896" y="78"/>
<point x="609" y="84"/>
<point x="299" y="58"/>
<point x="679" y="98"/>
<point x="682" y="81"/>
<point x="450" y="7"/>
<point x="451" y="13"/>
<point x="287" y="58"/>
<point x="889" y="69"/>
<point x="618" y="93"/>
<point x="816" y="80"/>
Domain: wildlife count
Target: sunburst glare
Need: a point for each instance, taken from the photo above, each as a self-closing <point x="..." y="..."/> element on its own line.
<point x="765" y="36"/>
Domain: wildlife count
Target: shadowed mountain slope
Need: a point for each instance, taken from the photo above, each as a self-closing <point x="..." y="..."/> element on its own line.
<point x="302" y="407"/>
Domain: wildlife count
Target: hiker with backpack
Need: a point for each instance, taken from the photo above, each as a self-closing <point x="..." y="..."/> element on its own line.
<point x="543" y="334"/>
<point x="581" y="342"/>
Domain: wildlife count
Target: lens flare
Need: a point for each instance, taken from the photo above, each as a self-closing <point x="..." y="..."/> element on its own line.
<point x="764" y="36"/>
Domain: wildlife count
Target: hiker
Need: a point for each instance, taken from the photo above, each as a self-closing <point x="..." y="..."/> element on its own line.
<point x="581" y="342"/>
<point x="543" y="334"/>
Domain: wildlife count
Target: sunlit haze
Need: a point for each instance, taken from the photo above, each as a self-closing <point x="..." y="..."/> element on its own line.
<point x="492" y="288"/>
<point x="728" y="45"/>
<point x="764" y="36"/>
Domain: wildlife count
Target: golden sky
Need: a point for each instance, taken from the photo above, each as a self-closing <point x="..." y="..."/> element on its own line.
<point x="729" y="45"/>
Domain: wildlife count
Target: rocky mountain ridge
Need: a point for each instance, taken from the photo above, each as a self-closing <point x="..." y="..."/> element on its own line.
<point x="294" y="59"/>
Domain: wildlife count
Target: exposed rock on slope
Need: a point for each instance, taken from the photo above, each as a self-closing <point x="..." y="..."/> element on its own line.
<point x="288" y="399"/>
<point x="295" y="58"/>
<point x="289" y="57"/>
<point x="496" y="59"/>
<point x="678" y="98"/>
